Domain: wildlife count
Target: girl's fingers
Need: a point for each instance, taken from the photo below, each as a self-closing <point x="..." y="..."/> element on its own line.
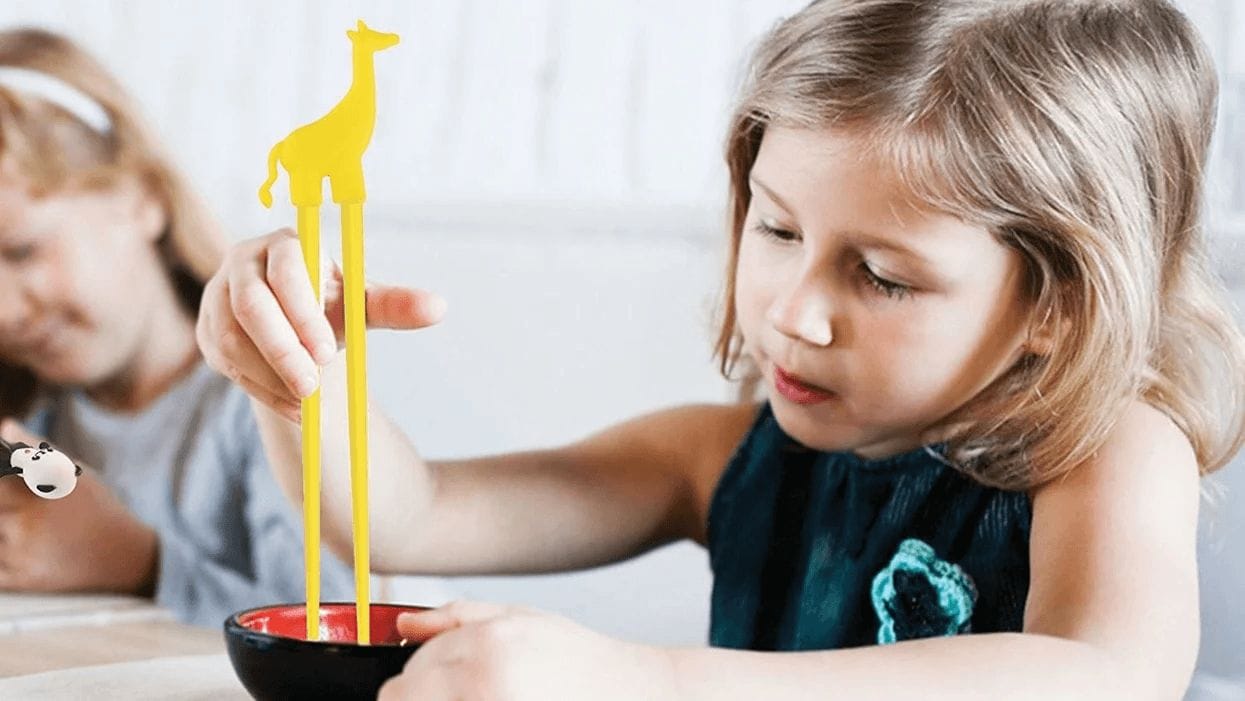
<point x="228" y="350"/>
<point x="260" y="321"/>
<point x="390" y="307"/>
<point x="385" y="306"/>
<point x="257" y="311"/>
<point x="247" y="364"/>
<point x="268" y="398"/>
<point x="287" y="277"/>
<point x="14" y="432"/>
<point x="427" y="675"/>
<point x="422" y="625"/>
<point x="13" y="493"/>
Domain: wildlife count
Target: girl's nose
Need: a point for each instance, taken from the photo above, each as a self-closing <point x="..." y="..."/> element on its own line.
<point x="803" y="312"/>
<point x="14" y="306"/>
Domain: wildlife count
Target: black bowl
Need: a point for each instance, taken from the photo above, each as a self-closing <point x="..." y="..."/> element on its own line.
<point x="271" y="655"/>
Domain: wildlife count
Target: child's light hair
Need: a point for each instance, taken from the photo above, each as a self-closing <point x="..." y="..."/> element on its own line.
<point x="51" y="151"/>
<point x="1076" y="131"/>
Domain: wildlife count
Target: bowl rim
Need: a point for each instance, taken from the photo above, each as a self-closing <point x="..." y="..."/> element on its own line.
<point x="234" y="627"/>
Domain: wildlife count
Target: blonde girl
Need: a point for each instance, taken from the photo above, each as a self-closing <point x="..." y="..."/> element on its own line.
<point x="967" y="265"/>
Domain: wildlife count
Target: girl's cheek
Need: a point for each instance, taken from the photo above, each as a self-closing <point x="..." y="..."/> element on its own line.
<point x="761" y="276"/>
<point x="40" y="279"/>
<point x="88" y="278"/>
<point x="751" y="307"/>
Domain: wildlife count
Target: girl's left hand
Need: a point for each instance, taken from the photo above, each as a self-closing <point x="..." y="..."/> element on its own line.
<point x="478" y="652"/>
<point x="88" y="541"/>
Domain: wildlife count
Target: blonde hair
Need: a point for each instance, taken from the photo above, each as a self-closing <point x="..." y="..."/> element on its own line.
<point x="53" y="151"/>
<point x="1077" y="132"/>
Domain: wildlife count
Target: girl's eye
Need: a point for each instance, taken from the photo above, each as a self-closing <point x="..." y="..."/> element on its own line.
<point x="894" y="290"/>
<point x="775" y="233"/>
<point x="890" y="288"/>
<point x="19" y="253"/>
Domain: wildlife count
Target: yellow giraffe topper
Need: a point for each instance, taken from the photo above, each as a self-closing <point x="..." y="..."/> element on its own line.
<point x="333" y="147"/>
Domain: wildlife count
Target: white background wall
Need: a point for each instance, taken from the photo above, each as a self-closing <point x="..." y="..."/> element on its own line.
<point x="552" y="167"/>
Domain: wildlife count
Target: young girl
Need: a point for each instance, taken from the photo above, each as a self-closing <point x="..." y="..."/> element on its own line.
<point x="966" y="260"/>
<point x="103" y="255"/>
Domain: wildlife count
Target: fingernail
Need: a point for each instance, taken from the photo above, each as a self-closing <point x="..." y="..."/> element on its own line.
<point x="307" y="384"/>
<point x="437" y="306"/>
<point x="325" y="352"/>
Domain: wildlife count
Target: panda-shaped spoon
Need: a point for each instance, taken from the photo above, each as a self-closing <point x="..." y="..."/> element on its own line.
<point x="48" y="473"/>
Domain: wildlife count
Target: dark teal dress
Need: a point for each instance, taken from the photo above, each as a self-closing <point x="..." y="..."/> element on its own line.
<point x="818" y="551"/>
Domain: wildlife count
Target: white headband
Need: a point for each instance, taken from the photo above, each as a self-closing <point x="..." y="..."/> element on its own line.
<point x="58" y="92"/>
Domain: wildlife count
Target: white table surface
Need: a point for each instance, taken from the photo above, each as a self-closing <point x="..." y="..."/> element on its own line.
<point x="78" y="647"/>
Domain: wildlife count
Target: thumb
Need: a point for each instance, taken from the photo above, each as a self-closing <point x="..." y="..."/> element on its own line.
<point x="385" y="306"/>
<point x="14" y="432"/>
<point x="390" y="307"/>
<point x="420" y="626"/>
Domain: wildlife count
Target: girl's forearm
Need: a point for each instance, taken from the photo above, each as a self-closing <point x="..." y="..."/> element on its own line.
<point x="987" y="666"/>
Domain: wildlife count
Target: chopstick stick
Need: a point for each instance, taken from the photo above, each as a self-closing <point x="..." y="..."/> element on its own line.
<point x="356" y="394"/>
<point x="309" y="238"/>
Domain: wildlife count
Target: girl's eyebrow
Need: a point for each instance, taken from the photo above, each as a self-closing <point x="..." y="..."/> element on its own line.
<point x="752" y="180"/>
<point x="861" y="238"/>
<point x="867" y="240"/>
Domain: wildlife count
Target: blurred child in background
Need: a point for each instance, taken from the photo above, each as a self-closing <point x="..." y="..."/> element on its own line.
<point x="104" y="251"/>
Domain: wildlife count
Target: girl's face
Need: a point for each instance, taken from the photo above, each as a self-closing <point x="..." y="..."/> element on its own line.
<point x="870" y="318"/>
<point x="77" y="272"/>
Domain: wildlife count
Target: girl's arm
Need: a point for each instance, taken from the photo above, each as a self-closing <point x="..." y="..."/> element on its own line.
<point x="1112" y="611"/>
<point x="608" y="497"/>
<point x="602" y="499"/>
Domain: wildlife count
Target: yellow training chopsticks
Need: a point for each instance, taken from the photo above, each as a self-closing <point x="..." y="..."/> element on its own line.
<point x="333" y="147"/>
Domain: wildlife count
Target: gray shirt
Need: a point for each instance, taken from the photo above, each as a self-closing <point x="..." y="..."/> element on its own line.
<point x="192" y="467"/>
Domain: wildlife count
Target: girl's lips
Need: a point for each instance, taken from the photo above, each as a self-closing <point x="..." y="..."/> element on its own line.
<point x="796" y="391"/>
<point x="37" y="342"/>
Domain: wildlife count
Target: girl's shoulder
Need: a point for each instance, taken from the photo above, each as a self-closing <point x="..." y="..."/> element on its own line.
<point x="708" y="435"/>
<point x="1145" y="450"/>
<point x="1117" y="535"/>
<point x="1141" y="488"/>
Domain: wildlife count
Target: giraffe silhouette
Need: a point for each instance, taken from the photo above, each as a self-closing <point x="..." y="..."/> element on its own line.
<point x="333" y="145"/>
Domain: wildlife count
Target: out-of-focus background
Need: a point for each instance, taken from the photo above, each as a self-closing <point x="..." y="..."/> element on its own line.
<point x="553" y="169"/>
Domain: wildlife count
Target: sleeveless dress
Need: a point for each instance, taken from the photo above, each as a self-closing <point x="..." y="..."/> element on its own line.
<point x="818" y="551"/>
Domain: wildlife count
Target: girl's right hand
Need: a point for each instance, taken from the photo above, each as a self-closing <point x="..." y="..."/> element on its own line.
<point x="259" y="323"/>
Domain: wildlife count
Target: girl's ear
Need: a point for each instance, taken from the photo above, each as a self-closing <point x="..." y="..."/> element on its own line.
<point x="1040" y="345"/>
<point x="1043" y="335"/>
<point x="150" y="213"/>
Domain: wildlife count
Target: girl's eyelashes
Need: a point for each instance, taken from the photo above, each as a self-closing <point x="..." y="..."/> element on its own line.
<point x="890" y="288"/>
<point x="765" y="229"/>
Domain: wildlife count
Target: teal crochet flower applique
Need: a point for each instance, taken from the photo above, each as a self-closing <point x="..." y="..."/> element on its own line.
<point x="919" y="595"/>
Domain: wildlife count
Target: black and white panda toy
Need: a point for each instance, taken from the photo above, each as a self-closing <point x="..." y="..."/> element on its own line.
<point x="48" y="472"/>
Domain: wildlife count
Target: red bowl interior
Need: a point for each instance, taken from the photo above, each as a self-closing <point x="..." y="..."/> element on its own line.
<point x="337" y="622"/>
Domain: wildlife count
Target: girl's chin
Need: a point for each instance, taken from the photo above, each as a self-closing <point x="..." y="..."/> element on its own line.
<point x="813" y="432"/>
<point x="69" y="372"/>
